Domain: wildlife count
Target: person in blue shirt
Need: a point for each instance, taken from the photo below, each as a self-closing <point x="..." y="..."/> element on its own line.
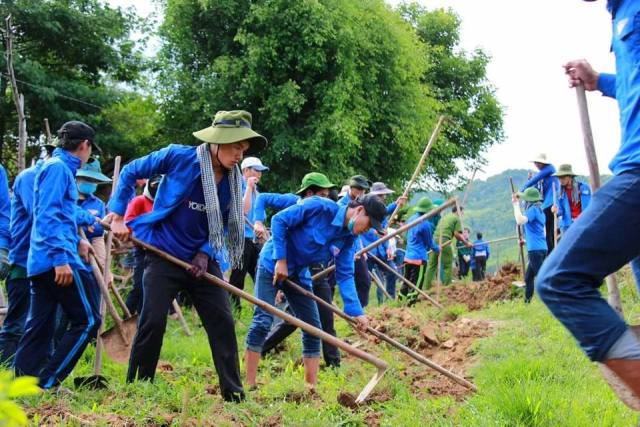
<point x="59" y="276"/>
<point x="358" y="187"/>
<point x="252" y="169"/>
<point x="198" y="203"/>
<point x="5" y="234"/>
<point x="534" y="234"/>
<point x="313" y="184"/>
<point x="545" y="181"/>
<point x="573" y="197"/>
<point x="480" y="253"/>
<point x="607" y="234"/>
<point x="314" y="230"/>
<point x="419" y="243"/>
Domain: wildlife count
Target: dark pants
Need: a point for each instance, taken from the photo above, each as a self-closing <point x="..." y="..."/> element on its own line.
<point x="18" y="291"/>
<point x="536" y="258"/>
<point x="549" y="223"/>
<point x="162" y="280"/>
<point x="249" y="265"/>
<point x="480" y="268"/>
<point x="602" y="240"/>
<point x="416" y="275"/>
<point x="136" y="296"/>
<point x="279" y="333"/>
<point x="463" y="267"/>
<point x="363" y="280"/>
<point x="80" y="303"/>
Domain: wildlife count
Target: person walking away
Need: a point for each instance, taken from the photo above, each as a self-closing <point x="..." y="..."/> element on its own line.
<point x="534" y="233"/>
<point x="464" y="255"/>
<point x="480" y="253"/>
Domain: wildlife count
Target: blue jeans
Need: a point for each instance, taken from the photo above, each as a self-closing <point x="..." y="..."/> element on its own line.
<point x="13" y="327"/>
<point x="536" y="258"/>
<point x="602" y="240"/>
<point x="303" y="307"/>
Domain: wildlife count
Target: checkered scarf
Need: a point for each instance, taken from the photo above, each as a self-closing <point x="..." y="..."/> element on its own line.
<point x="235" y="238"/>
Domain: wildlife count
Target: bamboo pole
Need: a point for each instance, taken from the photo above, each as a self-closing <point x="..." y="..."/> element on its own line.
<point x="18" y="98"/>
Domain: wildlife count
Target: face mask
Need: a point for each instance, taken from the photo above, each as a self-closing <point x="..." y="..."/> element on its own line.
<point x="352" y="223"/>
<point x="87" y="188"/>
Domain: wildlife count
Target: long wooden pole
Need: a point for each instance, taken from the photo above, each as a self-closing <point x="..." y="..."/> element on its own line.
<point x="519" y="228"/>
<point x="594" y="179"/>
<point x="416" y="172"/>
<point x="555" y="215"/>
<point x="381" y="365"/>
<point x="391" y="235"/>
<point x="468" y="189"/>
<point x="382" y="336"/>
<point x="379" y="284"/>
<point x="18" y="98"/>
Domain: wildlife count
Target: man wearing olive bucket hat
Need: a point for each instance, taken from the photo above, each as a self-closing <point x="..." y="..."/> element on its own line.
<point x="198" y="203"/>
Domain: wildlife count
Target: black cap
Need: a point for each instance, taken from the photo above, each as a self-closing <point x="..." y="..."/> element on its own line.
<point x="359" y="181"/>
<point x="78" y="130"/>
<point x="376" y="211"/>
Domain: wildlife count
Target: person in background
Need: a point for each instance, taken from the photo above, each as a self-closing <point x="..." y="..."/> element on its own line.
<point x="480" y="254"/>
<point x="140" y="205"/>
<point x="464" y="255"/>
<point x="252" y="169"/>
<point x="573" y="197"/>
<point x="55" y="265"/>
<point x="534" y="233"/>
<point x="545" y="181"/>
<point x="358" y="186"/>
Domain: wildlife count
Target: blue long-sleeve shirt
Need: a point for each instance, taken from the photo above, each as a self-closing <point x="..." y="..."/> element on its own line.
<point x="564" y="208"/>
<point x="21" y="214"/>
<point x="181" y="169"/>
<point x="5" y="210"/>
<point x="54" y="236"/>
<point x="274" y="201"/>
<point x="544" y="182"/>
<point x="624" y="86"/>
<point x="534" y="228"/>
<point x="420" y="240"/>
<point x="96" y="208"/>
<point x="313" y="231"/>
<point x="480" y="248"/>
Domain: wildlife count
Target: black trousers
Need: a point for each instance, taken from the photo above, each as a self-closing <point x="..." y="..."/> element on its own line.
<point x="536" y="258"/>
<point x="135" y="297"/>
<point x="416" y="275"/>
<point x="548" y="217"/>
<point x="249" y="265"/>
<point x="480" y="268"/>
<point x="324" y="290"/>
<point x="363" y="280"/>
<point x="162" y="280"/>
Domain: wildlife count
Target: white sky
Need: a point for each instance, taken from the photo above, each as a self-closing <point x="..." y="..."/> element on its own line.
<point x="528" y="42"/>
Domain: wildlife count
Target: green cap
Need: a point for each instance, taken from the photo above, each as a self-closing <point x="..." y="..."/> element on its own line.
<point x="530" y="195"/>
<point x="424" y="205"/>
<point x="91" y="171"/>
<point x="232" y="126"/>
<point x="359" y="181"/>
<point x="564" y="170"/>
<point x="314" y="178"/>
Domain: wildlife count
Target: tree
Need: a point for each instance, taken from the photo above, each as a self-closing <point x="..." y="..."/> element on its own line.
<point x="74" y="58"/>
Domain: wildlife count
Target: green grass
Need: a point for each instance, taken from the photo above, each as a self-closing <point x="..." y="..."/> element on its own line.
<point x="529" y="373"/>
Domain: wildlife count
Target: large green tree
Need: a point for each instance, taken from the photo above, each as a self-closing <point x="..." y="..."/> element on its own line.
<point x="76" y="59"/>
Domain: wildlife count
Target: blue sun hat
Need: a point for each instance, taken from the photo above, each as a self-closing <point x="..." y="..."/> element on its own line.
<point x="92" y="172"/>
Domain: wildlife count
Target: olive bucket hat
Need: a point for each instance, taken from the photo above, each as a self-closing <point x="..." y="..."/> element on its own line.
<point x="530" y="195"/>
<point x="229" y="127"/>
<point x="424" y="205"/>
<point x="314" y="179"/>
<point x="564" y="170"/>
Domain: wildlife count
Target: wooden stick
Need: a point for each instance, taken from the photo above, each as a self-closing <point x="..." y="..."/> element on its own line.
<point x="416" y="172"/>
<point x="555" y="215"/>
<point x="407" y="281"/>
<point x="379" y="284"/>
<point x="594" y="179"/>
<point x="519" y="228"/>
<point x="417" y="356"/>
<point x="391" y="235"/>
<point x="18" y="98"/>
<point x="47" y="131"/>
<point x="468" y="189"/>
<point x="183" y="322"/>
<point x="381" y="365"/>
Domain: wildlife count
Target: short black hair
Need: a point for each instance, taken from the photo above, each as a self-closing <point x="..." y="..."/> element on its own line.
<point x="479" y="235"/>
<point x="333" y="194"/>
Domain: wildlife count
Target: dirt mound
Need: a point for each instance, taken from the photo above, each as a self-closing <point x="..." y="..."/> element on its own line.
<point x="478" y="295"/>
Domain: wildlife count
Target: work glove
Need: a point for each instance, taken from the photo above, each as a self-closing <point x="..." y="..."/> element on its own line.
<point x="5" y="266"/>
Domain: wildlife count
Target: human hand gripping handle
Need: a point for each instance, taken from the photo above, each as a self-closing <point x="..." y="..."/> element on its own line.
<point x="580" y="72"/>
<point x="281" y="272"/>
<point x="199" y="265"/>
<point x="362" y="323"/>
<point x="117" y="225"/>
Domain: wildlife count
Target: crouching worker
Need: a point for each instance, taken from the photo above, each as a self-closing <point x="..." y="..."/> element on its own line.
<point x="200" y="197"/>
<point x="312" y="231"/>
<point x="54" y="265"/>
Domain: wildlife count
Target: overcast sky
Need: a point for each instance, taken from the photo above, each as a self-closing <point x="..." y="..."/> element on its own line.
<point x="528" y="42"/>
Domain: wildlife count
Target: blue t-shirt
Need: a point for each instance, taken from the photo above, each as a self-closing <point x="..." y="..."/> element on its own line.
<point x="186" y="229"/>
<point x="534" y="229"/>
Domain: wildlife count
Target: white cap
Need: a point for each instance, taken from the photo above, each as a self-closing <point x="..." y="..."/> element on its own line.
<point x="253" y="163"/>
<point x="344" y="190"/>
<point x="541" y="158"/>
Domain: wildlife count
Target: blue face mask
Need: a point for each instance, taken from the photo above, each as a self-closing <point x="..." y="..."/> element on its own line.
<point x="87" y="188"/>
<point x="351" y="224"/>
